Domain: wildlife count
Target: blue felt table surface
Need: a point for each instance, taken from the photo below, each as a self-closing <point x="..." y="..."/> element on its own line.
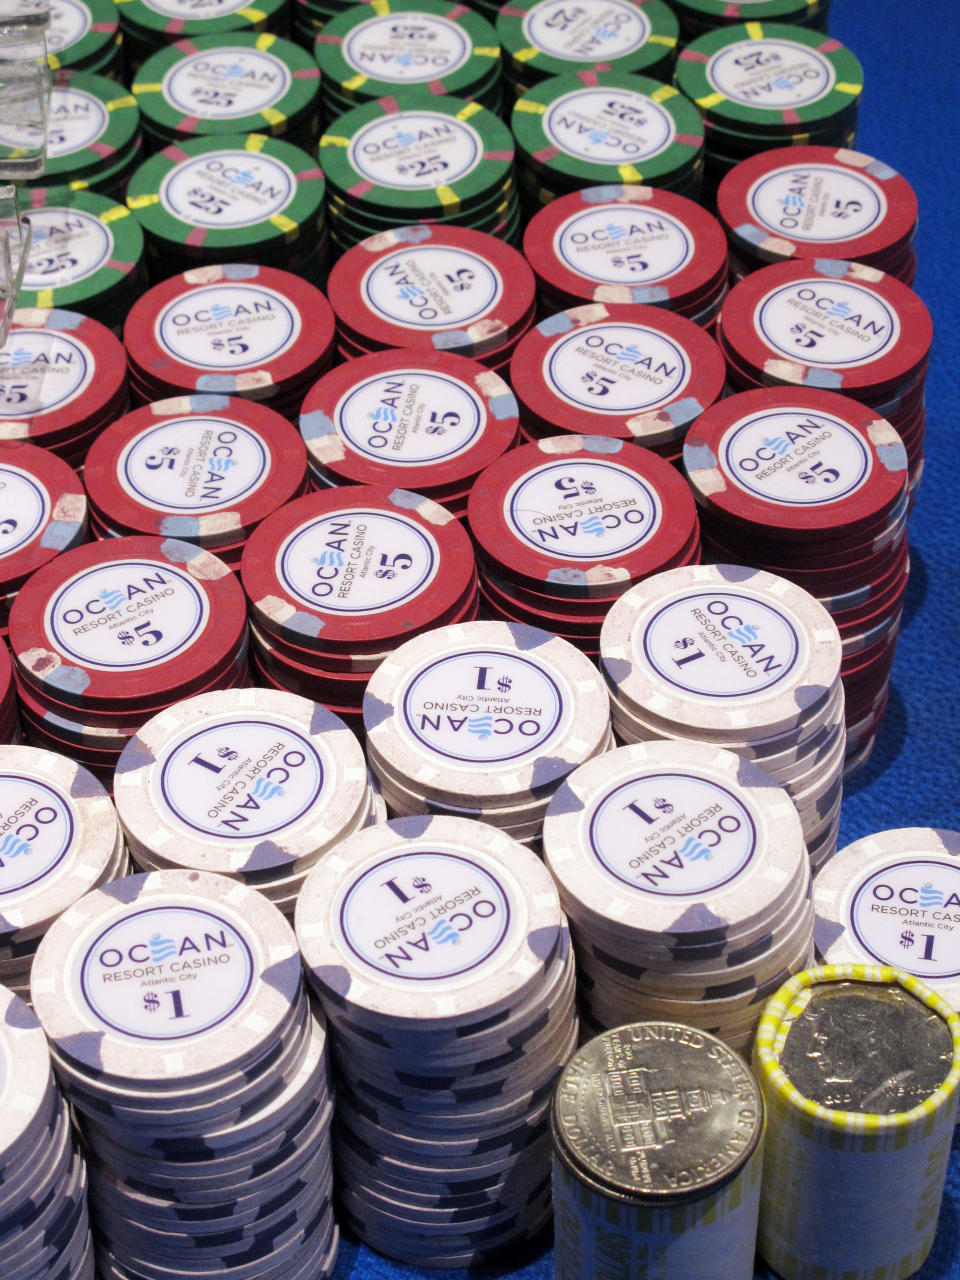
<point x="910" y="118"/>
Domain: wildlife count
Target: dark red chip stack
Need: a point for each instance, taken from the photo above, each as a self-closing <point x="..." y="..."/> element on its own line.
<point x="629" y="244"/>
<point x="836" y="326"/>
<point x="237" y="329"/>
<point x="808" y="203"/>
<point x="637" y="373"/>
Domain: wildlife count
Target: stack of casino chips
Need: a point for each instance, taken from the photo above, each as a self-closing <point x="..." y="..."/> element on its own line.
<point x="201" y="1092"/>
<point x="207" y="469"/>
<point x="628" y="244"/>
<point x="111" y="632"/>
<point x="232" y="198"/>
<point x="803" y="203"/>
<point x="633" y="372"/>
<point x="44" y="511"/>
<point x="813" y="486"/>
<point x="839" y="325"/>
<point x="483" y="720"/>
<point x="684" y="874"/>
<point x="769" y="84"/>
<point x="254" y="333"/>
<point x="240" y="82"/>
<point x="420" y="420"/>
<point x="564" y="526"/>
<point x="70" y="377"/>
<point x="93" y="135"/>
<point x="432" y="287"/>
<point x="697" y="17"/>
<point x="254" y="784"/>
<point x="599" y="128"/>
<point x="86" y="254"/>
<point x="378" y="50"/>
<point x="44" y="1226"/>
<point x="419" y="158"/>
<point x="441" y="956"/>
<point x="542" y="38"/>
<point x="743" y="660"/>
<point x="149" y="25"/>
<point x="65" y="842"/>
<point x="336" y="580"/>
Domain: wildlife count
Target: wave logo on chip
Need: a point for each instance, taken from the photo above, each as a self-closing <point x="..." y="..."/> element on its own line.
<point x="263" y="790"/>
<point x="112" y="597"/>
<point x="444" y="932"/>
<point x="13" y="847"/>
<point x="161" y="948"/>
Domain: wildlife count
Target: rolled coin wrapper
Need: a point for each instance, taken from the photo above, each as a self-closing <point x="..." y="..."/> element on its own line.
<point x="657" y="1135"/>
<point x="855" y="1192"/>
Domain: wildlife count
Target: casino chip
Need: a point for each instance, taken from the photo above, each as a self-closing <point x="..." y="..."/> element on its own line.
<point x="62" y="840"/>
<point x="241" y="82"/>
<point x="601" y="128"/>
<point x="432" y="288"/>
<point x="183" y="1040"/>
<point x="761" y="84"/>
<point x="86" y="254"/>
<point x="758" y="673"/>
<point x="337" y="579"/>
<point x="634" y="372"/>
<point x="813" y="486"/>
<point x="700" y="16"/>
<point x="63" y="377"/>
<point x="92" y="136"/>
<point x="566" y="525"/>
<point x="483" y="720"/>
<point x="44" y="513"/>
<point x="628" y="244"/>
<point x="818" y="203"/>
<point x="441" y="956"/>
<point x="685" y="877"/>
<point x="81" y="35"/>
<point x="235" y="198"/>
<point x="254" y="784"/>
<point x="225" y="465"/>
<point x="391" y="47"/>
<point x="543" y="38"/>
<point x="419" y="158"/>
<point x="892" y="899"/>
<point x="428" y="421"/>
<point x="44" y="1227"/>
<point x="840" y="326"/>
<point x="247" y="331"/>
<point x="149" y="25"/>
<point x="111" y="632"/>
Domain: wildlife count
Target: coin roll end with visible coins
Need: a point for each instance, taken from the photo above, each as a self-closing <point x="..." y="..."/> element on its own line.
<point x="657" y="1153"/>
<point x="860" y="1067"/>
